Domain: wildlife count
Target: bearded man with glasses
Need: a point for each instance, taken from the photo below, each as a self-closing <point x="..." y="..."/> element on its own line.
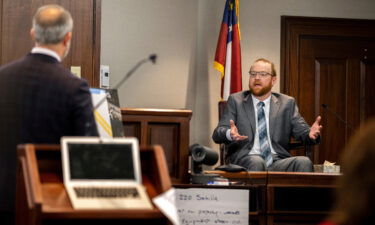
<point x="257" y="125"/>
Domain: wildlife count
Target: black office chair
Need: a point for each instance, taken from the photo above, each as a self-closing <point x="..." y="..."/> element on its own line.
<point x="296" y="148"/>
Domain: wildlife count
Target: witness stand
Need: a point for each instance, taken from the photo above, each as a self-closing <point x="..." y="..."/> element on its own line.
<point x="42" y="198"/>
<point x="283" y="197"/>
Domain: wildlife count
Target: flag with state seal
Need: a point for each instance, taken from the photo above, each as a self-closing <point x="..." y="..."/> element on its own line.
<point x="228" y="51"/>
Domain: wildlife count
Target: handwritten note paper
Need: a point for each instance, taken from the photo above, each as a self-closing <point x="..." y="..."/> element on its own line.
<point x="202" y="206"/>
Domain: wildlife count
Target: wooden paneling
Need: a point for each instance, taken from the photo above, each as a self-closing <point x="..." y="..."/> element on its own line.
<point x="330" y="61"/>
<point x="132" y="129"/>
<point x="16" y="24"/>
<point x="369" y="90"/>
<point x="331" y="75"/>
<point x="166" y="127"/>
<point x="299" y="198"/>
<point x="16" y="21"/>
<point x="168" y="135"/>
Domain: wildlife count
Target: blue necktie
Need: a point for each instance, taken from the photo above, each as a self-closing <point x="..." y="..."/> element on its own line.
<point x="265" y="149"/>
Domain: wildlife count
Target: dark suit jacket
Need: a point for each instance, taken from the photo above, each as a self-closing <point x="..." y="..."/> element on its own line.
<point x="284" y="122"/>
<point x="40" y="101"/>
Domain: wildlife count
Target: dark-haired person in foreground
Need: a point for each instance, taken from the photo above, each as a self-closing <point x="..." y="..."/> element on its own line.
<point x="355" y="203"/>
<point x="40" y="101"/>
<point x="257" y="125"/>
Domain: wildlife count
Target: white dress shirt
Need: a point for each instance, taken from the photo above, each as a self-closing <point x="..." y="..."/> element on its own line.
<point x="46" y="51"/>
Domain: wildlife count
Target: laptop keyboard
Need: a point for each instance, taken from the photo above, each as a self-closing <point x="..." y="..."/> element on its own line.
<point x="104" y="192"/>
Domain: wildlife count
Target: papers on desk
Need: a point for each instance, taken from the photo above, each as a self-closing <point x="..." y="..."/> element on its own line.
<point x="107" y="112"/>
<point x="327" y="167"/>
<point x="166" y="202"/>
<point x="194" y="206"/>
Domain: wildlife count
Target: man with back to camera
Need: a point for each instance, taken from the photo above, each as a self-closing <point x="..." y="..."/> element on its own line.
<point x="257" y="124"/>
<point x="40" y="101"/>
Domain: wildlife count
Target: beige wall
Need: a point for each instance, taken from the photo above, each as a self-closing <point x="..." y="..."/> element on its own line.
<point x="132" y="30"/>
<point x="184" y="35"/>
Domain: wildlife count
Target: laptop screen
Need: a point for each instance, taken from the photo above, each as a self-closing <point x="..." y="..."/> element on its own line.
<point x="107" y="161"/>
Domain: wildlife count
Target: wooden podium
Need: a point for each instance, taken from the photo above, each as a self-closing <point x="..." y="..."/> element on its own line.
<point x="42" y="199"/>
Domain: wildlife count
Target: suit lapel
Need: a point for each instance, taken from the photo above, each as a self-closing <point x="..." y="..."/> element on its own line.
<point x="274" y="109"/>
<point x="250" y="112"/>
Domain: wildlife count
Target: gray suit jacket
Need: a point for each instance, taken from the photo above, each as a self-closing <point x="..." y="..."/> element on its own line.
<point x="284" y="122"/>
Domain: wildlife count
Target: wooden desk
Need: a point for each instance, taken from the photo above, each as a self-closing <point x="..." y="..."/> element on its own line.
<point x="42" y="199"/>
<point x="286" y="198"/>
<point x="299" y="198"/>
<point x="166" y="127"/>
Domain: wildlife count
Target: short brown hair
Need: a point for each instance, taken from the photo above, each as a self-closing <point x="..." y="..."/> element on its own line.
<point x="356" y="194"/>
<point x="273" y="70"/>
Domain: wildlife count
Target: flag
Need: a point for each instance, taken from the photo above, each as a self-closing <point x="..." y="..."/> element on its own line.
<point x="228" y="51"/>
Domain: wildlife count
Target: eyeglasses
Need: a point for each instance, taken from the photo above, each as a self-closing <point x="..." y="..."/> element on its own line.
<point x="262" y="74"/>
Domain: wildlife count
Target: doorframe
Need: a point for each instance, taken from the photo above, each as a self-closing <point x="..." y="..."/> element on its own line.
<point x="97" y="42"/>
<point x="293" y="28"/>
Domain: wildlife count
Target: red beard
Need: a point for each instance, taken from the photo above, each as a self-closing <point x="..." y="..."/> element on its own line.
<point x="260" y="90"/>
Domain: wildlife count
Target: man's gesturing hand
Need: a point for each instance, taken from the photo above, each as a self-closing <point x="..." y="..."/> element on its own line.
<point x="234" y="132"/>
<point x="315" y="129"/>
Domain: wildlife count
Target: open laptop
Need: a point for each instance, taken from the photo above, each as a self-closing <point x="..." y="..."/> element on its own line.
<point x="103" y="173"/>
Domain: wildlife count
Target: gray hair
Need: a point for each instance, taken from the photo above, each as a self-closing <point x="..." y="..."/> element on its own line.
<point x="51" y="23"/>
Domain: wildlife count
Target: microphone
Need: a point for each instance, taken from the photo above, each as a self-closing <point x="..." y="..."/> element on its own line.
<point x="347" y="124"/>
<point x="151" y="58"/>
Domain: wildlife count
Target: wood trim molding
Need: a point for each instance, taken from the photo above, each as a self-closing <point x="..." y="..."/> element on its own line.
<point x="97" y="42"/>
<point x="1" y="31"/>
<point x="157" y="112"/>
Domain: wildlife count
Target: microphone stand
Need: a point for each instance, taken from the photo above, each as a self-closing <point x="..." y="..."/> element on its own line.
<point x="151" y="58"/>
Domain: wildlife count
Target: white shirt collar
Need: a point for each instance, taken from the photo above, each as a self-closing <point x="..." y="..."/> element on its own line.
<point x="266" y="101"/>
<point x="46" y="51"/>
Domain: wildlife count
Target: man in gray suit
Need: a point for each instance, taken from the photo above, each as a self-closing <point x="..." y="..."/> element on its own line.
<point x="257" y="125"/>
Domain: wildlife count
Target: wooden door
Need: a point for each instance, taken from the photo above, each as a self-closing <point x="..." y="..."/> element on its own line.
<point x="330" y="62"/>
<point x="16" y="20"/>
